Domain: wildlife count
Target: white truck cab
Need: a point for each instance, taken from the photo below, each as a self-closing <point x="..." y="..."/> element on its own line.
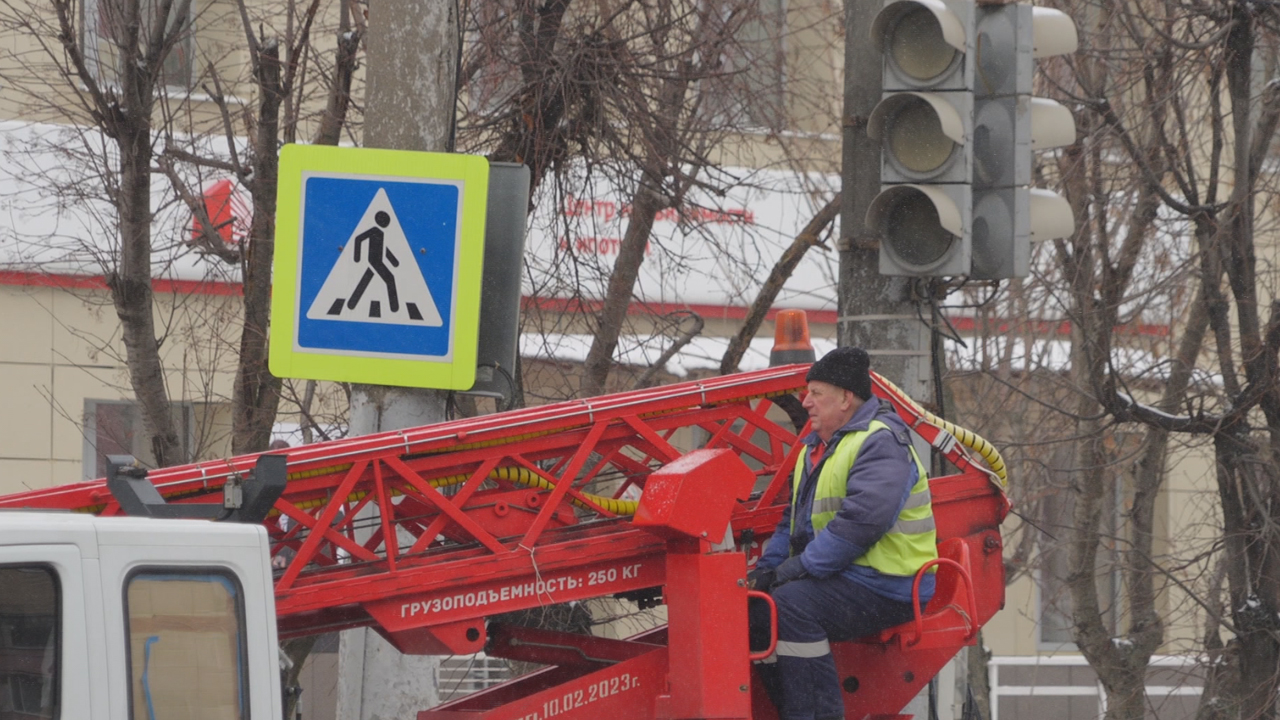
<point x="131" y="618"/>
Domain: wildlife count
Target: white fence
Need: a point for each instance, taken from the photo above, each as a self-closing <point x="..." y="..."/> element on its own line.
<point x="999" y="689"/>
<point x="464" y="674"/>
<point x="459" y="675"/>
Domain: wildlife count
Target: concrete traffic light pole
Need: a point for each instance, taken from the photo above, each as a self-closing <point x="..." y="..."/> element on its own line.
<point x="412" y="55"/>
<point x="877" y="312"/>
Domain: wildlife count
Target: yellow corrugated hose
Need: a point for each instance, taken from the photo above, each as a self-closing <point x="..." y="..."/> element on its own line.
<point x="965" y="437"/>
<point x="522" y="476"/>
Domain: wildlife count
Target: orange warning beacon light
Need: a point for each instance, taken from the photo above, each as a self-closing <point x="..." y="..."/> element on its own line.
<point x="791" y="339"/>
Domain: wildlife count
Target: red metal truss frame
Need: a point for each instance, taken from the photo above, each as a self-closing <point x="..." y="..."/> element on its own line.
<point x="379" y="526"/>
<point x="424" y="532"/>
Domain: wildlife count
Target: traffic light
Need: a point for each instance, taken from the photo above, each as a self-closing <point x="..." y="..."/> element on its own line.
<point x="1010" y="124"/>
<point x="924" y="121"/>
<point x="958" y="125"/>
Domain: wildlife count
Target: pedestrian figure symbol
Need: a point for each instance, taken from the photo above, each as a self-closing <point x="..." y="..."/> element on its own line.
<point x="374" y="236"/>
<point x="376" y="249"/>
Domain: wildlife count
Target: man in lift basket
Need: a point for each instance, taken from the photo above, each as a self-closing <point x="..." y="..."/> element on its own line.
<point x="844" y="556"/>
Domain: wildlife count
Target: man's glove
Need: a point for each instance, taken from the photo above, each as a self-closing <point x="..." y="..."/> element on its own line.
<point x="760" y="579"/>
<point x="790" y="569"/>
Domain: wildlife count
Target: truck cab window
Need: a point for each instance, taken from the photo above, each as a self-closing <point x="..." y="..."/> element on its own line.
<point x="29" y="642"/>
<point x="186" y="646"/>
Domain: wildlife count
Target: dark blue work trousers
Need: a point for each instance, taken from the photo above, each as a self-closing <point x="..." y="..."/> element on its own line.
<point x="813" y="613"/>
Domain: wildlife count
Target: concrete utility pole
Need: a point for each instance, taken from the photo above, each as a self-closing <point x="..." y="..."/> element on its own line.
<point x="876" y="312"/>
<point x="412" y="51"/>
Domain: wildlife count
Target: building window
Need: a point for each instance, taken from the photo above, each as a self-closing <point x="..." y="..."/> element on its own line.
<point x="748" y="90"/>
<point x="104" y="32"/>
<point x="116" y="428"/>
<point x="1058" y="510"/>
<point x="30" y="645"/>
<point x="187" y="651"/>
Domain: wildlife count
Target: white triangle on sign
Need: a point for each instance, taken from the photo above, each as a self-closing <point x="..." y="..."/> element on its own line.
<point x="382" y="285"/>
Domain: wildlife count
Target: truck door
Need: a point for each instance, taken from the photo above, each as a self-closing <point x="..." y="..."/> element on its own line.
<point x="185" y="624"/>
<point x="44" y="644"/>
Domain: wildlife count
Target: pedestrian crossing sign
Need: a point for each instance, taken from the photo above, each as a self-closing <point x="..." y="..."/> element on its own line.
<point x="377" y="266"/>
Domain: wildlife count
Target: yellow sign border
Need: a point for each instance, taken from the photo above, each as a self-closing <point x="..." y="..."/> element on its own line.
<point x="285" y="360"/>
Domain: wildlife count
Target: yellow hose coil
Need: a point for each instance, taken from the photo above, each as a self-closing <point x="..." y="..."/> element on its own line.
<point x="965" y="437"/>
<point x="524" y="477"/>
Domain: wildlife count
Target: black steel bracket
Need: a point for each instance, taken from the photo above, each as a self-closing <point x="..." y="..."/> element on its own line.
<point x="245" y="499"/>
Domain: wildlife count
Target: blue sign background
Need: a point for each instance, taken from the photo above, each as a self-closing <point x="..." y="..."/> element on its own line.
<point x="428" y="214"/>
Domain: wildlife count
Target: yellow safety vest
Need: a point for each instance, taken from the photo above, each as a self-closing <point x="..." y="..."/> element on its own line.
<point x="913" y="539"/>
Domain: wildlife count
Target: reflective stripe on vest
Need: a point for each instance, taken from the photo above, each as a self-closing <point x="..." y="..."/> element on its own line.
<point x="913" y="539"/>
<point x="804" y="649"/>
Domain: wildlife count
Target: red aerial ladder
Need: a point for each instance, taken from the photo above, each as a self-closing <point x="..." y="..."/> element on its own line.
<point x="664" y="494"/>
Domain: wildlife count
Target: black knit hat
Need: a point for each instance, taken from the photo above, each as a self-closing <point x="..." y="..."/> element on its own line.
<point x="846" y="367"/>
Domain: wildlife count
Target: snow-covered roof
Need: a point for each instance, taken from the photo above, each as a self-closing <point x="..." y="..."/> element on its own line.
<point x="702" y="353"/>
<point x="715" y="250"/>
<point x="55" y="214"/>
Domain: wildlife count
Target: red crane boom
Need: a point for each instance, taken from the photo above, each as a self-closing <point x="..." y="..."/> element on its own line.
<point x="423" y="533"/>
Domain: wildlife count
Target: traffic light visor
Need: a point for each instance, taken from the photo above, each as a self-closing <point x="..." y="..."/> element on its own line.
<point x="917" y="224"/>
<point x="1051" y="216"/>
<point x="922" y="39"/>
<point x="1053" y="33"/>
<point x="1052" y="124"/>
<point x="920" y="131"/>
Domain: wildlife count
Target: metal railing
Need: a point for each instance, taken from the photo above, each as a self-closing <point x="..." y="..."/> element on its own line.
<point x="1000" y="690"/>
<point x="459" y="675"/>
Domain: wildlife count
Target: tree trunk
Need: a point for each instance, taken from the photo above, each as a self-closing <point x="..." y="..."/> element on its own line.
<point x="130" y="280"/>
<point x="344" y="66"/>
<point x="1248" y="484"/>
<point x="536" y="134"/>
<point x="978" y="681"/>
<point x="635" y="241"/>
<point x="256" y="395"/>
<point x="1100" y="277"/>
<point x="1253" y="614"/>
<point x="810" y="236"/>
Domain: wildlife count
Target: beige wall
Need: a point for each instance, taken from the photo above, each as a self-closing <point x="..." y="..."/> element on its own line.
<point x="63" y="347"/>
<point x="1193" y="527"/>
<point x="1187" y="524"/>
<point x="319" y="683"/>
<point x="36" y="87"/>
